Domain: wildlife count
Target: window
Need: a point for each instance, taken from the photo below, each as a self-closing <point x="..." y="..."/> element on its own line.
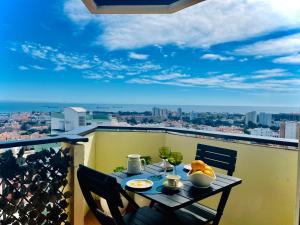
<point x="81" y="120"/>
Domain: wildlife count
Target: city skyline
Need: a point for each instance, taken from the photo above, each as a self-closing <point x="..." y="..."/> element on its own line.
<point x="61" y="53"/>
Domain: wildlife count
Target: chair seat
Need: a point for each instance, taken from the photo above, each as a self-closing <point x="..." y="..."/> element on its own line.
<point x="152" y="216"/>
<point x="146" y="216"/>
<point x="197" y="214"/>
<point x="194" y="214"/>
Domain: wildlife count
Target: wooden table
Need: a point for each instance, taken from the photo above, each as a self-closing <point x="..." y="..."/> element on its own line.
<point x="188" y="194"/>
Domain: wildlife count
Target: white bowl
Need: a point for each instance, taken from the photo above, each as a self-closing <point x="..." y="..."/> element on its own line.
<point x="201" y="180"/>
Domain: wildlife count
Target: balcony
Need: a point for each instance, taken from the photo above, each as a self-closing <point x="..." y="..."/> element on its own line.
<point x="268" y="167"/>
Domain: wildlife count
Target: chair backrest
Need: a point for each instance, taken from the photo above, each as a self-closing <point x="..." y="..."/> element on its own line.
<point x="105" y="186"/>
<point x="221" y="158"/>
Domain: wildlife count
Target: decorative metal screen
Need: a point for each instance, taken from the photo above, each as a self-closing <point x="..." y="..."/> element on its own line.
<point x="34" y="189"/>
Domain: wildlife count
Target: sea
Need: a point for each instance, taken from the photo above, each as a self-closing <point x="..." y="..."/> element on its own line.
<point x="8" y="107"/>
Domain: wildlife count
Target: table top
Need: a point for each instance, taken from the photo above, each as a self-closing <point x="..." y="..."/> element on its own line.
<point x="188" y="194"/>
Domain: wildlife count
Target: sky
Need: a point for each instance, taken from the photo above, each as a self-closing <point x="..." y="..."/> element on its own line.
<point x="229" y="52"/>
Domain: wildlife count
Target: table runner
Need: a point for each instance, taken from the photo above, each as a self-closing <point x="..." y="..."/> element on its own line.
<point x="156" y="179"/>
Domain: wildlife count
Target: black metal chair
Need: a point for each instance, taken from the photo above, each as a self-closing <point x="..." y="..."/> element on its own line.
<point x="221" y="158"/>
<point x="107" y="187"/>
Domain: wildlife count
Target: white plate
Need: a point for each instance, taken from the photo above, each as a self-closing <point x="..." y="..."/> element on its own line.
<point x="187" y="167"/>
<point x="179" y="185"/>
<point x="139" y="183"/>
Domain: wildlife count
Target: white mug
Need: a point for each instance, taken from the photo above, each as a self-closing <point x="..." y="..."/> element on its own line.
<point x="173" y="180"/>
<point x="134" y="164"/>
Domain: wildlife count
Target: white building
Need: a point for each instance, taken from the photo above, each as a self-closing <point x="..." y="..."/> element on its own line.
<point x="57" y="123"/>
<point x="74" y="117"/>
<point x="265" y="119"/>
<point x="251" y="117"/>
<point x="266" y="132"/>
<point x="289" y="129"/>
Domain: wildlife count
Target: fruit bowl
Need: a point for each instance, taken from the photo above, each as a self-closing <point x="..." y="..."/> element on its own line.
<point x="201" y="180"/>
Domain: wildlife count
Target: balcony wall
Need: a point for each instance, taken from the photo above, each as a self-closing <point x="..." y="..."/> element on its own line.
<point x="266" y="196"/>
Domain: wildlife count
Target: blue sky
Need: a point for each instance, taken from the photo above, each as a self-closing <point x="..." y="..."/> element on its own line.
<point x="233" y="52"/>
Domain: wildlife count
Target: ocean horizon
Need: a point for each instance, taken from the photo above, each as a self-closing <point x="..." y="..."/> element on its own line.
<point x="9" y="107"/>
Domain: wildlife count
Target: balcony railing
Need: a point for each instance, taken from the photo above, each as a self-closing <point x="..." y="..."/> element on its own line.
<point x="268" y="166"/>
<point x="37" y="187"/>
<point x="292" y="143"/>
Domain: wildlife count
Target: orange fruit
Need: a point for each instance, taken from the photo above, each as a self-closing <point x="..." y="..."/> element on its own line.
<point x="207" y="167"/>
<point x="198" y="165"/>
<point x="209" y="173"/>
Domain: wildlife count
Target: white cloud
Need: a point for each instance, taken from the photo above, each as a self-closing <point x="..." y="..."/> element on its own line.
<point x="217" y="57"/>
<point x="270" y="73"/>
<point x="243" y="60"/>
<point x="209" y="23"/>
<point x="277" y="46"/>
<point x="59" y="58"/>
<point x="82" y="66"/>
<point x="37" y="67"/>
<point x="230" y="81"/>
<point x="120" y="77"/>
<point x="37" y="50"/>
<point x="168" y="76"/>
<point x="292" y="59"/>
<point x="23" y="68"/>
<point x="141" y="81"/>
<point x="93" y="77"/>
<point x="134" y="55"/>
<point x="92" y="66"/>
<point x="59" y="68"/>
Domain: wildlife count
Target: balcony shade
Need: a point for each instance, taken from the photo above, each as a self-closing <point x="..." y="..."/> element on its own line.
<point x="137" y="6"/>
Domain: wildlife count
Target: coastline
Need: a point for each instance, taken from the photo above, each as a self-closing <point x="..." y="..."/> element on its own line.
<point x="9" y="107"/>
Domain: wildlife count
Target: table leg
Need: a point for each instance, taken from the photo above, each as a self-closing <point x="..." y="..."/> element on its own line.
<point x="221" y="206"/>
<point x="152" y="203"/>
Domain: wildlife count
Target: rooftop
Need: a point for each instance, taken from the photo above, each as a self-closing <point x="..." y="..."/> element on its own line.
<point x="78" y="109"/>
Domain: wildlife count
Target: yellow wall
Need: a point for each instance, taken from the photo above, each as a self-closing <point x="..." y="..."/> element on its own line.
<point x="89" y="151"/>
<point x="266" y="196"/>
<point x="112" y="148"/>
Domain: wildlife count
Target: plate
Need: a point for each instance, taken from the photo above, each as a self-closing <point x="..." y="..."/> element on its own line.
<point x="139" y="183"/>
<point x="187" y="167"/>
<point x="179" y="185"/>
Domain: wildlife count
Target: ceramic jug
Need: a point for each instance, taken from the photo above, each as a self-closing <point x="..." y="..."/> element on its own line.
<point x="135" y="164"/>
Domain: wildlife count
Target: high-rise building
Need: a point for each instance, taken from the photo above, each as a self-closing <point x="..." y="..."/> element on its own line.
<point x="179" y="112"/>
<point x="289" y="129"/>
<point x="155" y="112"/>
<point x="265" y="119"/>
<point x="193" y="115"/>
<point x="251" y="117"/>
<point x="164" y="113"/>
